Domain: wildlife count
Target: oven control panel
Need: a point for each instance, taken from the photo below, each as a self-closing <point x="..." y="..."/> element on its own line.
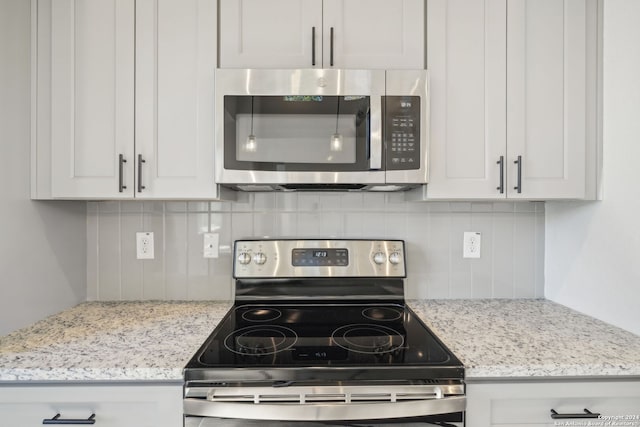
<point x="318" y="258"/>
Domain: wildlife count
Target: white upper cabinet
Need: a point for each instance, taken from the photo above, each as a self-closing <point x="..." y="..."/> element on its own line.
<point x="513" y="94"/>
<point x="270" y="33"/>
<point x="86" y="95"/>
<point x="467" y="69"/>
<point x="124" y="99"/>
<point x="322" y="34"/>
<point x="175" y="65"/>
<point x="550" y="86"/>
<point x="373" y="34"/>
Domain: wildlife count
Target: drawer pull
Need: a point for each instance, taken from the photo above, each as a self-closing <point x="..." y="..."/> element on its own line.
<point x="586" y="414"/>
<point x="57" y="420"/>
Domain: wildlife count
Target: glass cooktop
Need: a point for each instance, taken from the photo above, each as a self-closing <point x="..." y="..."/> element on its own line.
<point x="321" y="335"/>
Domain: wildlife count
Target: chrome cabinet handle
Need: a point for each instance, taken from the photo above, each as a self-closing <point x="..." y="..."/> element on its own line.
<point x="518" y="187"/>
<point x="331" y="48"/>
<point x="121" y="162"/>
<point x="586" y="414"/>
<point x="57" y="420"/>
<point x="140" y="162"/>
<point x="501" y="186"/>
<point x="313" y="46"/>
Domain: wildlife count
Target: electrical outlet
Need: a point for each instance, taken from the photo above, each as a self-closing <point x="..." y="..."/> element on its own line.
<point x="211" y="244"/>
<point x="144" y="245"/>
<point x="471" y="245"/>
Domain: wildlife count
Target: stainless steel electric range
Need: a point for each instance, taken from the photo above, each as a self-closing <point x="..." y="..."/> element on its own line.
<point x="320" y="335"/>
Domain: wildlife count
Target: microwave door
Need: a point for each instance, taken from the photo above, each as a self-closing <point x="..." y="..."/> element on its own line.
<point x="304" y="127"/>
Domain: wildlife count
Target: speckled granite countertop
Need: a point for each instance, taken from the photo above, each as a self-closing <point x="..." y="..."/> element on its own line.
<point x="106" y="341"/>
<point x="99" y="341"/>
<point x="529" y="338"/>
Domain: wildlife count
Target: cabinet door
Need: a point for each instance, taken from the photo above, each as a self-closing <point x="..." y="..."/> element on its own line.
<point x="270" y="34"/>
<point x="91" y="94"/>
<point x="527" y="403"/>
<point x="466" y="48"/>
<point x="113" y="406"/>
<point x="373" y="34"/>
<point x="175" y="65"/>
<point x="550" y="84"/>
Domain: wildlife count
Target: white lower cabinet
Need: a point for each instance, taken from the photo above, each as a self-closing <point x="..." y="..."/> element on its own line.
<point x="113" y="406"/>
<point x="529" y="403"/>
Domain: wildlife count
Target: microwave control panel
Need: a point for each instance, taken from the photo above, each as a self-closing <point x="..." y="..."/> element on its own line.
<point x="402" y="132"/>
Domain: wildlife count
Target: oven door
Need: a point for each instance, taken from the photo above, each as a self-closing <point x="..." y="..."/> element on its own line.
<point x="405" y="405"/>
<point x="310" y="126"/>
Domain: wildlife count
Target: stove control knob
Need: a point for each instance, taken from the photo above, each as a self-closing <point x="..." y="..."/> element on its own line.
<point x="379" y="258"/>
<point x="259" y="258"/>
<point x="395" y="258"/>
<point x="244" y="258"/>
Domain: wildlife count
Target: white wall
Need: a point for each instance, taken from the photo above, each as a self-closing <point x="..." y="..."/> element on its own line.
<point x="42" y="244"/>
<point x="592" y="253"/>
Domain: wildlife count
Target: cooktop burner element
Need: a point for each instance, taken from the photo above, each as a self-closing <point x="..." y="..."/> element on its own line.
<point x="382" y="313"/>
<point x="368" y="339"/>
<point x="260" y="340"/>
<point x="264" y="314"/>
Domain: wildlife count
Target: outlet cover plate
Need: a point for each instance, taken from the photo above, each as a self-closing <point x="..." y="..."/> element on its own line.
<point x="471" y="245"/>
<point x="211" y="244"/>
<point x="144" y="245"/>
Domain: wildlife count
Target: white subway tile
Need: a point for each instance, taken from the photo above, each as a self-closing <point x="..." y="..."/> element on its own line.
<point x="197" y="284"/>
<point x="153" y="282"/>
<point x="308" y="202"/>
<point x="287" y="201"/>
<point x="503" y="240"/>
<point x="351" y="202"/>
<point x="109" y="256"/>
<point x="482" y="268"/>
<point x="92" y="251"/>
<point x="131" y="276"/>
<point x="286" y="225"/>
<point x="264" y="201"/>
<point x="330" y="202"/>
<point x="332" y="225"/>
<point x="524" y="256"/>
<point x="176" y="256"/>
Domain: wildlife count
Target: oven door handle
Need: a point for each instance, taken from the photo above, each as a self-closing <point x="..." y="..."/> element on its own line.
<point x="323" y="411"/>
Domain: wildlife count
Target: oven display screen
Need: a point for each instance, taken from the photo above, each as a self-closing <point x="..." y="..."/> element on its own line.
<point x="330" y="257"/>
<point x="320" y="353"/>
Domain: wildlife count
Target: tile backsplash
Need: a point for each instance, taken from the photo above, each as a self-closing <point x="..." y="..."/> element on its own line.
<point x="511" y="263"/>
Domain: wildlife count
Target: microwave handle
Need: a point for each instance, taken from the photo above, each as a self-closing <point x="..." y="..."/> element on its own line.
<point x="375" y="141"/>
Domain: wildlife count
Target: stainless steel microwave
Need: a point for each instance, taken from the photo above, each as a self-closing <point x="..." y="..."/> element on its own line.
<point x="321" y="129"/>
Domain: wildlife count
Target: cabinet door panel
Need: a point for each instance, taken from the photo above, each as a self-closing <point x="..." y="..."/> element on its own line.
<point x="175" y="63"/>
<point x="547" y="85"/>
<point x="270" y="34"/>
<point x="113" y="406"/>
<point x="528" y="403"/>
<point x="92" y="65"/>
<point x="466" y="60"/>
<point x="374" y="33"/>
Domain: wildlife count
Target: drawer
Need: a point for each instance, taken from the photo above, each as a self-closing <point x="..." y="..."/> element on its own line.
<point x="529" y="402"/>
<point x="538" y="411"/>
<point x="113" y="406"/>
